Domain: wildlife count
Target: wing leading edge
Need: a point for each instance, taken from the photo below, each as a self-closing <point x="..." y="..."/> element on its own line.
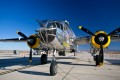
<point x="82" y="40"/>
<point x="86" y="39"/>
<point x="13" y="40"/>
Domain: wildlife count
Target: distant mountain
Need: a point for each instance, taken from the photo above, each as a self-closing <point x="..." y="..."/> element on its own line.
<point x="111" y="50"/>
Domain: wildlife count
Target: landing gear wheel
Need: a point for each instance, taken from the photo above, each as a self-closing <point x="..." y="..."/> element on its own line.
<point x="94" y="58"/>
<point x="62" y="53"/>
<point x="97" y="60"/>
<point x="53" y="68"/>
<point x="44" y="59"/>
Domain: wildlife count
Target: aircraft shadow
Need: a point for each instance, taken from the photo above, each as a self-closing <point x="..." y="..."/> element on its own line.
<point x="114" y="61"/>
<point x="69" y="63"/>
<point x="18" y="61"/>
<point x="35" y="73"/>
<point x="65" y="57"/>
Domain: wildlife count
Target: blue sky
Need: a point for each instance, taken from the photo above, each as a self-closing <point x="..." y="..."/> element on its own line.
<point x="92" y="14"/>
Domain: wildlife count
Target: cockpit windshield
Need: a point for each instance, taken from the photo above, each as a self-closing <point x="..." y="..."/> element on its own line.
<point x="60" y="26"/>
<point x="51" y="25"/>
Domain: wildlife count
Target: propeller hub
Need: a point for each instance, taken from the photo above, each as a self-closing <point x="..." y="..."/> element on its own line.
<point x="30" y="40"/>
<point x="100" y="38"/>
<point x="33" y="41"/>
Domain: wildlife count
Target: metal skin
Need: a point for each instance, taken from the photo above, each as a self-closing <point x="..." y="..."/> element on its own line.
<point x="57" y="33"/>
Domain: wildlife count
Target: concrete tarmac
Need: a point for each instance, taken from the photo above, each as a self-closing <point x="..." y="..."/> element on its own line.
<point x="80" y="67"/>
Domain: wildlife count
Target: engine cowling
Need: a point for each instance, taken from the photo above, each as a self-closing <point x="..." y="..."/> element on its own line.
<point x="100" y="36"/>
<point x="33" y="41"/>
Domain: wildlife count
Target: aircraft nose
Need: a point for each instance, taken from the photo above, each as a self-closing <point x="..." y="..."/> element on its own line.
<point x="48" y="35"/>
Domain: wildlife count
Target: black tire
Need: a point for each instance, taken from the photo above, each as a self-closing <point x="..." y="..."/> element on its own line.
<point x="53" y="68"/>
<point x="94" y="58"/>
<point x="62" y="53"/>
<point x="44" y="59"/>
<point x="97" y="60"/>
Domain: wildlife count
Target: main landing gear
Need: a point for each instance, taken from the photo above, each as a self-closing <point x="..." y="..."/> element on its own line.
<point x="44" y="58"/>
<point x="99" y="59"/>
<point x="62" y="53"/>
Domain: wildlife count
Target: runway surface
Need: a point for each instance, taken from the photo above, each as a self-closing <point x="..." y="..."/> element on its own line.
<point x="80" y="67"/>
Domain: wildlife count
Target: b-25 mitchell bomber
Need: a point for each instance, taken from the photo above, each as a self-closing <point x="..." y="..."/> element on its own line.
<point x="58" y="36"/>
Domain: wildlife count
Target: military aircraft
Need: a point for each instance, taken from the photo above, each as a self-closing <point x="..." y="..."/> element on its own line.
<point x="58" y="36"/>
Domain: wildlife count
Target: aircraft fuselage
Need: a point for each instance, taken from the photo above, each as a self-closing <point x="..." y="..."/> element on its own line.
<point x="56" y="34"/>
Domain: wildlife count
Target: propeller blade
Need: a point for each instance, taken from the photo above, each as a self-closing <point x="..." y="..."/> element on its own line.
<point x="13" y="40"/>
<point x="101" y="48"/>
<point x="86" y="30"/>
<point x="21" y="34"/>
<point x="30" y="55"/>
<point x="101" y="54"/>
<point x="115" y="31"/>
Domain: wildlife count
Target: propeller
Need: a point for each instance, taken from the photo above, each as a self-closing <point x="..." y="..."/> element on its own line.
<point x="100" y="38"/>
<point x="86" y="30"/>
<point x="25" y="37"/>
<point x="21" y="34"/>
<point x="30" y="55"/>
<point x="89" y="32"/>
<point x="101" y="48"/>
<point x="101" y="53"/>
<point x="114" y="31"/>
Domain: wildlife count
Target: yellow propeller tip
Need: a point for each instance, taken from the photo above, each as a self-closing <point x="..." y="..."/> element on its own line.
<point x="17" y="32"/>
<point x="30" y="61"/>
<point x="80" y="27"/>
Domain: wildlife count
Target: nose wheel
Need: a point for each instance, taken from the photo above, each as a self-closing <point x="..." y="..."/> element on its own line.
<point x="53" y="65"/>
<point x="53" y="68"/>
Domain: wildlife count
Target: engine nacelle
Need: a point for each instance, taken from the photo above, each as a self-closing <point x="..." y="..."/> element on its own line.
<point x="33" y="41"/>
<point x="96" y="40"/>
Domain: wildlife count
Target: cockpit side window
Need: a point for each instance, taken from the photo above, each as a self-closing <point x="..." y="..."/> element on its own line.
<point x="58" y="25"/>
<point x="65" y="28"/>
<point x="61" y="26"/>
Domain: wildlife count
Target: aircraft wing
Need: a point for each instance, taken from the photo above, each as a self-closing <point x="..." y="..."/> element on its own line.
<point x="82" y="40"/>
<point x="115" y="37"/>
<point x="13" y="40"/>
<point x="86" y="39"/>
